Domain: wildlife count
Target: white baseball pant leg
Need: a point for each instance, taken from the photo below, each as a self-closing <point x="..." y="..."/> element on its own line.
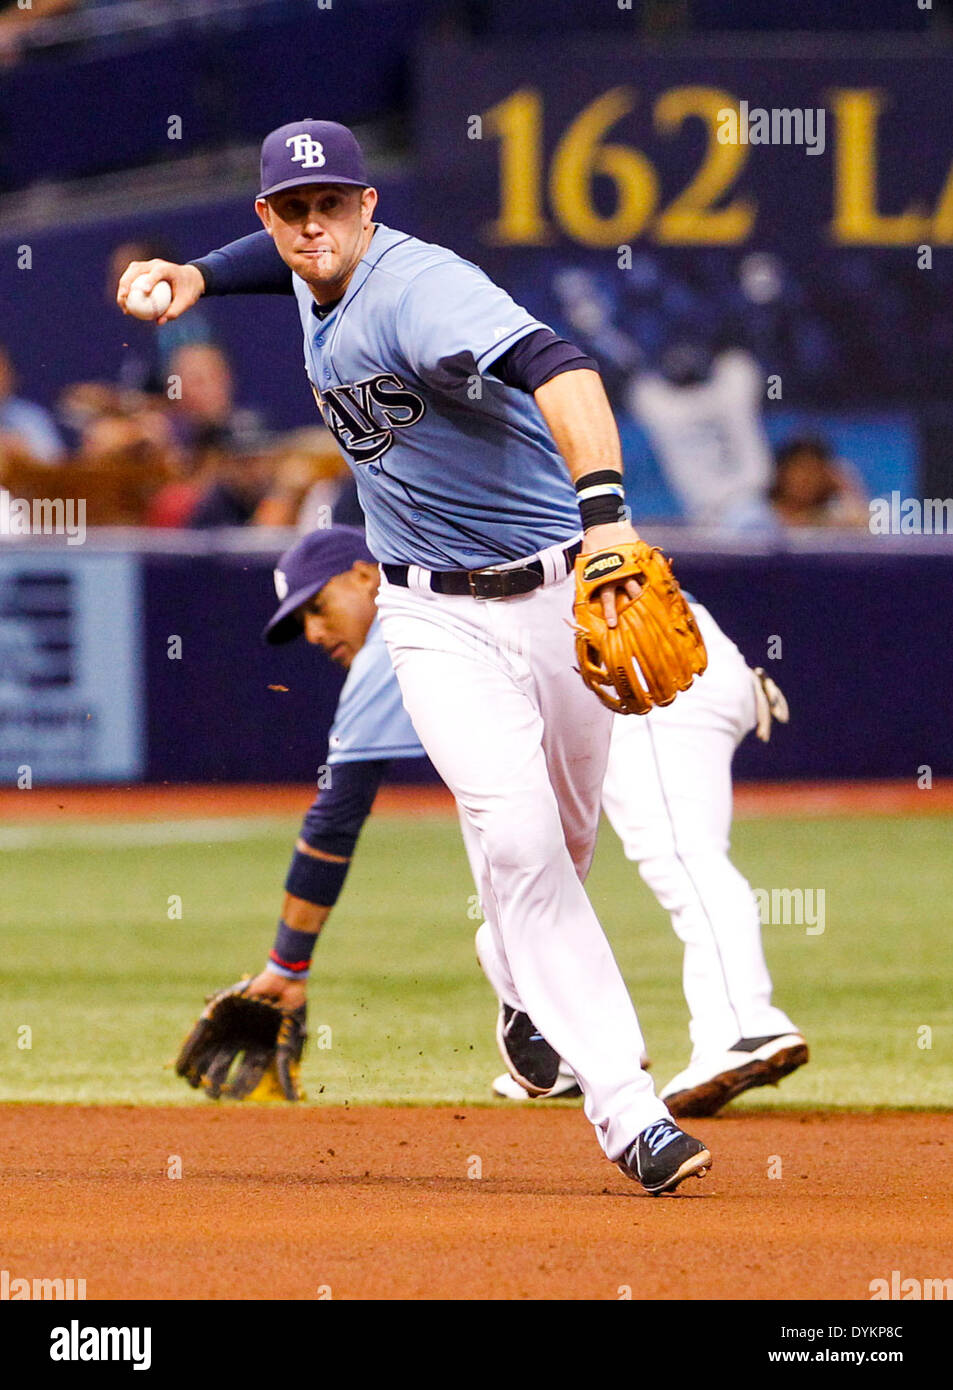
<point x="522" y="744"/>
<point x="488" y="941"/>
<point x="668" y="795"/>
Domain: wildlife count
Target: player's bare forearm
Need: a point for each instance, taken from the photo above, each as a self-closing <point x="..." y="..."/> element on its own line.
<point x="302" y="915"/>
<point x="577" y="410"/>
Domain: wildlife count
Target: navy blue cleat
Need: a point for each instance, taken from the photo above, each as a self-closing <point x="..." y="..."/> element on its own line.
<point x="662" y="1156"/>
<point x="528" y="1056"/>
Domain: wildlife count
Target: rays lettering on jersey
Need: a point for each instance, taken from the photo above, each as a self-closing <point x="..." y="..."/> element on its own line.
<point x="363" y="416"/>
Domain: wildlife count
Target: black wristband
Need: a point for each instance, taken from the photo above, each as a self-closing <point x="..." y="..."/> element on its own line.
<point x="601" y="498"/>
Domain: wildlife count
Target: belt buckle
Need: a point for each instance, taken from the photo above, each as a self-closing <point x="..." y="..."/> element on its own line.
<point x="474" y="575"/>
<point x="510" y="583"/>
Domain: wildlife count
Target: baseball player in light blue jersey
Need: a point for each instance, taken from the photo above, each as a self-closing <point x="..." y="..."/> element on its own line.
<point x="486" y="459"/>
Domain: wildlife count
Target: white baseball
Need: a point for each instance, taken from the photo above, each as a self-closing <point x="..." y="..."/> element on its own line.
<point x="143" y="305"/>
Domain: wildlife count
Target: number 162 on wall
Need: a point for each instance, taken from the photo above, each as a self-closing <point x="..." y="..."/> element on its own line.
<point x="709" y="210"/>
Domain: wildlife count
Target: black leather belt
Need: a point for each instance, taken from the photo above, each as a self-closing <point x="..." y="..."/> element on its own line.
<point x="485" y="584"/>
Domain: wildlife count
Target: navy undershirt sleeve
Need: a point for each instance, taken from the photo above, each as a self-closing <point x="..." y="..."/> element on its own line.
<point x="337" y="815"/>
<point x="537" y="358"/>
<point x="250" y="265"/>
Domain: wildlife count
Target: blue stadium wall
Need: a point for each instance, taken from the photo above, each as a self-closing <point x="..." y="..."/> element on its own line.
<point x="125" y="666"/>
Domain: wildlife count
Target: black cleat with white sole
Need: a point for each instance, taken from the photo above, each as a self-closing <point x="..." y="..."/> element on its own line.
<point x="663" y="1156"/>
<point x="528" y="1056"/>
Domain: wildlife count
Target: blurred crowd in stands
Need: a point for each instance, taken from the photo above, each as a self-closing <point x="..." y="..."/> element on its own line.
<point x="844" y="328"/>
<point x="75" y="24"/>
<point x="139" y="457"/>
<point x="166" y="444"/>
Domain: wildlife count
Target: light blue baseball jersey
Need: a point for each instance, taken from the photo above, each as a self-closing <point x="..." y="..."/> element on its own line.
<point x="371" y="721"/>
<point x="455" y="470"/>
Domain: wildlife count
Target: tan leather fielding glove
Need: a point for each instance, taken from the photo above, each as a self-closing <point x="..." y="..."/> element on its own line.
<point x="655" y="651"/>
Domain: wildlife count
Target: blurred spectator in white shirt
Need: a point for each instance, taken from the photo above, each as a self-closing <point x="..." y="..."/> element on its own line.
<point x="703" y="417"/>
<point x="308" y="478"/>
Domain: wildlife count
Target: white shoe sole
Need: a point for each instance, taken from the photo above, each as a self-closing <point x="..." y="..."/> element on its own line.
<point x="764" y="1067"/>
<point x="507" y="1089"/>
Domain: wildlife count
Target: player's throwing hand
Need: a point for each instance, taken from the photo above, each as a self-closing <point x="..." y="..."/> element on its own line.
<point x="187" y="282"/>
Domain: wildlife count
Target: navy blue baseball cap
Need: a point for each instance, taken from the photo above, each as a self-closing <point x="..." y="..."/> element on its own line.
<point x="306" y="568"/>
<point x="310" y="152"/>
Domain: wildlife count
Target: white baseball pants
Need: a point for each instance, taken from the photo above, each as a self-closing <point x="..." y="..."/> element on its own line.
<point x="522" y="744"/>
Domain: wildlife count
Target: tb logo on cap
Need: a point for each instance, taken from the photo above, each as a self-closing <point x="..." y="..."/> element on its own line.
<point x="308" y="153"/>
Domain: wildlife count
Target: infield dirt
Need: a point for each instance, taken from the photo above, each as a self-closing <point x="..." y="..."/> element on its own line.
<point x="468" y="1204"/>
<point x="752" y="800"/>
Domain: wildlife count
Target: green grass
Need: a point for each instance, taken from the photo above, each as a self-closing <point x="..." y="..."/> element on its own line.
<point x="91" y="962"/>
